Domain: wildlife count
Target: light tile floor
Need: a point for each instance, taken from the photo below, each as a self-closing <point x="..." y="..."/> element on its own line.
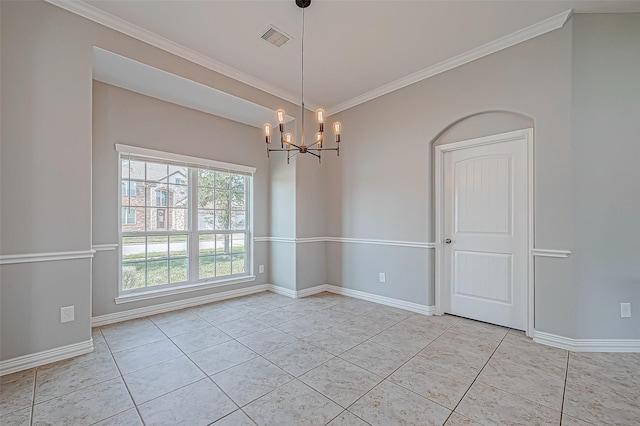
<point x="323" y="360"/>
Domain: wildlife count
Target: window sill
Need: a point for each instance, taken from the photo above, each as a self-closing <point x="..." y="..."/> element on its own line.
<point x="150" y="294"/>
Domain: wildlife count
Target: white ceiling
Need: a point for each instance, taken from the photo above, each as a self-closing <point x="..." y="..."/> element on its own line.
<point x="352" y="48"/>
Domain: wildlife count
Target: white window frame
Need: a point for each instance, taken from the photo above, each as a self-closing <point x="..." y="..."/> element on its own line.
<point x="193" y="163"/>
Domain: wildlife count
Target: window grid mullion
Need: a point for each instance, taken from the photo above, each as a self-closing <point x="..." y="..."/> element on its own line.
<point x="194" y="239"/>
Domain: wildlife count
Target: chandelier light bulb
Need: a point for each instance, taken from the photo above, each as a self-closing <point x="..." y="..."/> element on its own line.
<point x="337" y="127"/>
<point x="267" y="132"/>
<point x="288" y="138"/>
<point x="280" y="114"/>
<point x="319" y="139"/>
<point x="320" y="115"/>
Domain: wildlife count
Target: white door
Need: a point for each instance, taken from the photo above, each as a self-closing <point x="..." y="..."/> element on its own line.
<point x="485" y="230"/>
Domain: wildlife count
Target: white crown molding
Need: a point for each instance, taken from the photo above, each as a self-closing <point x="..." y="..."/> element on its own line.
<point x="125" y="27"/>
<point x="104" y="247"/>
<point x="587" y="345"/>
<point x="118" y="24"/>
<point x="101" y="320"/>
<point x="45" y="357"/>
<point x="414" y="244"/>
<point x="550" y="253"/>
<point x="9" y="259"/>
<point x="512" y="39"/>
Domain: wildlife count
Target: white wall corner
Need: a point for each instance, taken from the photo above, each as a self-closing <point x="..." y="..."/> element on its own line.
<point x="282" y="291"/>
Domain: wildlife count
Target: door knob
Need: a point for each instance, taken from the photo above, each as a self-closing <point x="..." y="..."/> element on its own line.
<point x="447" y="241"/>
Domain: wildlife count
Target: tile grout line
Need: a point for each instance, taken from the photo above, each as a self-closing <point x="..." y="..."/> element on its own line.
<point x="123" y="380"/>
<point x="298" y="378"/>
<point x="564" y="389"/>
<point x="33" y="397"/>
<point x="206" y="376"/>
<point x="197" y="366"/>
<point x="75" y="390"/>
<point x="240" y="408"/>
<point x="476" y="378"/>
<point x="385" y="377"/>
<point x="294" y="377"/>
<point x="336" y="326"/>
<point x="511" y="392"/>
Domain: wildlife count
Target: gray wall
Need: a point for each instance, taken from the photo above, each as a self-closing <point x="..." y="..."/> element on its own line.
<point x="578" y="84"/>
<point x="282" y="254"/>
<point x="311" y="219"/>
<point x="121" y="116"/>
<point x="372" y="197"/>
<point x="579" y="87"/>
<point x="606" y="177"/>
<point x="46" y="166"/>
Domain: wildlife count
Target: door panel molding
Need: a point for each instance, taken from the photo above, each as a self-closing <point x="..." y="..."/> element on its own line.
<point x="439" y="179"/>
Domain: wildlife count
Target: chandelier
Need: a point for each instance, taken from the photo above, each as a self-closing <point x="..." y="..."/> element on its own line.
<point x="286" y="139"/>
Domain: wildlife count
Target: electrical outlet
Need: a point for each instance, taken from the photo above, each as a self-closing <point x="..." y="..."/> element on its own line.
<point x="383" y="277"/>
<point x="66" y="314"/>
<point x="625" y="310"/>
<point x="261" y="269"/>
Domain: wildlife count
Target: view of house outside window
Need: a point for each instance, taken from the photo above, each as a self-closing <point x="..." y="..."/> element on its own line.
<point x="181" y="225"/>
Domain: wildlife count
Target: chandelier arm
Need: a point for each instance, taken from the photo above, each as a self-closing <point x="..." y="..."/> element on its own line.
<point x="283" y="150"/>
<point x="322" y="149"/>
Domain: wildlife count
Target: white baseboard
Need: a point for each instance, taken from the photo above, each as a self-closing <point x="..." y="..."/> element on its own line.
<point x="388" y="301"/>
<point x="283" y="291"/>
<point x="297" y="294"/>
<point x="45" y="357"/>
<point x="587" y="345"/>
<point x="172" y="306"/>
<point x="311" y="291"/>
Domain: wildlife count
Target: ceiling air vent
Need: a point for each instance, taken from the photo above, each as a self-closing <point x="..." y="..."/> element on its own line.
<point x="275" y="36"/>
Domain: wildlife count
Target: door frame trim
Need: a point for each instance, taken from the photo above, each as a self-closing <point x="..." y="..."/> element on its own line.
<point x="440" y="150"/>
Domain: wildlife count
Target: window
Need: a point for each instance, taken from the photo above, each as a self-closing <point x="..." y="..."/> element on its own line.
<point x="187" y="224"/>
<point x="128" y="188"/>
<point x="128" y="216"/>
<point x="221" y="223"/>
<point x="161" y="197"/>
